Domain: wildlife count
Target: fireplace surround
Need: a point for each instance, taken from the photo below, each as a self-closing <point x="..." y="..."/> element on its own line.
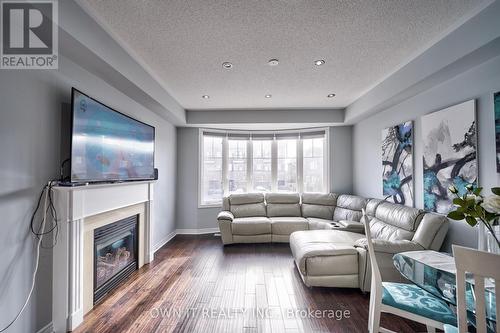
<point x="82" y="210"/>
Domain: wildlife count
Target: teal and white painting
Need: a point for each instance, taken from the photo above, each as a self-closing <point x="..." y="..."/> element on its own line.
<point x="449" y="154"/>
<point x="397" y="163"/>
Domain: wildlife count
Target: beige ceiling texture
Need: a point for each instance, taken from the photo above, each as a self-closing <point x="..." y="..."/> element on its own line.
<point x="185" y="42"/>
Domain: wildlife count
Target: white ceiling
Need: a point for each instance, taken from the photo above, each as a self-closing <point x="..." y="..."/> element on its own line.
<point x="184" y="42"/>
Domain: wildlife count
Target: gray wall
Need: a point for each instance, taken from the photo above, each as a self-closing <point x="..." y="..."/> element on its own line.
<point x="189" y="216"/>
<point x="477" y="83"/>
<point x="29" y="145"/>
<point x="341" y="159"/>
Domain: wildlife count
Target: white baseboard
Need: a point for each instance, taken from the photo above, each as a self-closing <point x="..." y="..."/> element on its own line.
<point x="171" y="235"/>
<point x="197" y="231"/>
<point x="49" y="328"/>
<point x="164" y="241"/>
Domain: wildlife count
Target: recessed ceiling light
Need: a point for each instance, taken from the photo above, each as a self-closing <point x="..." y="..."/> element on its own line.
<point x="319" y="62"/>
<point x="273" y="62"/>
<point x="330" y="95"/>
<point x="227" y="65"/>
<point x="268" y="96"/>
<point x="205" y="96"/>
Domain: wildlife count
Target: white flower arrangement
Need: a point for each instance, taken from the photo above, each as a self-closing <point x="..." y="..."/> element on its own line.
<point x="474" y="208"/>
<point x="492" y="204"/>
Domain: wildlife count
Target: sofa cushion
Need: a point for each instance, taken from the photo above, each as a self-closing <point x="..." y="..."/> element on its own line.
<point x="319" y="205"/>
<point x="251" y="226"/>
<point x="371" y="206"/>
<point x="399" y="216"/>
<point x="392" y="221"/>
<point x="317" y="224"/>
<point x="315" y="243"/>
<point x="247" y="204"/>
<point x="380" y="229"/>
<point x="352" y="202"/>
<point x="318" y="211"/>
<point x="323" y="199"/>
<point x="431" y="231"/>
<point x="276" y="210"/>
<point x="340" y="264"/>
<point x="282" y="198"/>
<point x="249" y="210"/>
<point x="287" y="225"/>
<point x="283" y="204"/>
<point x="246" y="198"/>
<point x="349" y="208"/>
<point x="264" y="238"/>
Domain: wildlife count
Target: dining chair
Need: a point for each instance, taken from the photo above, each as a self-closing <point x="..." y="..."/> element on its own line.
<point x="481" y="265"/>
<point x="401" y="299"/>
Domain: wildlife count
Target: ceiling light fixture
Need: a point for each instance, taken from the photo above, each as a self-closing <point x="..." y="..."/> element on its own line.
<point x="330" y="95"/>
<point x="268" y="96"/>
<point x="227" y="65"/>
<point x="273" y="62"/>
<point x="319" y="62"/>
<point x="205" y="96"/>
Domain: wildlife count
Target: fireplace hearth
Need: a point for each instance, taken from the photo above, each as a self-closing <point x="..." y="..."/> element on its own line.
<point x="115" y="254"/>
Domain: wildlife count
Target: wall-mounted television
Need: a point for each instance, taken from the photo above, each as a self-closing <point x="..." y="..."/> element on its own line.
<point x="107" y="145"/>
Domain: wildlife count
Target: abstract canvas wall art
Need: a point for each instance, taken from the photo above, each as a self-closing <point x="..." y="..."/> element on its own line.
<point x="497" y="126"/>
<point x="397" y="163"/>
<point x="449" y="154"/>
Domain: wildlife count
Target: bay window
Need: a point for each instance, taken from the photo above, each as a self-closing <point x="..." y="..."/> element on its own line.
<point x="237" y="171"/>
<point x="239" y="162"/>
<point x="262" y="172"/>
<point x="287" y="165"/>
<point x="313" y="161"/>
<point x="212" y="164"/>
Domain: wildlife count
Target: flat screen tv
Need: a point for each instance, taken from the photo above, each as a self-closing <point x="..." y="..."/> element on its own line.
<point x="107" y="145"/>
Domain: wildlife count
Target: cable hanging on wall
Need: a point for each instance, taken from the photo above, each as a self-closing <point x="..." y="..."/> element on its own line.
<point x="49" y="211"/>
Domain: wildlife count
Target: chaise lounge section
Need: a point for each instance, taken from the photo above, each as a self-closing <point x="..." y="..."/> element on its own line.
<point x="333" y="258"/>
<point x="325" y="234"/>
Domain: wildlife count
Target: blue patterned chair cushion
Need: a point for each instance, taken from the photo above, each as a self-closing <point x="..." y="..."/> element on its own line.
<point x="411" y="298"/>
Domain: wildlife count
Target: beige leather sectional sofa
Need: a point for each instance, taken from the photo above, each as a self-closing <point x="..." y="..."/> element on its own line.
<point x="325" y="235"/>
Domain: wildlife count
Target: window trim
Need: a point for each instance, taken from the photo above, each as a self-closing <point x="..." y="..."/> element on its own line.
<point x="274" y="167"/>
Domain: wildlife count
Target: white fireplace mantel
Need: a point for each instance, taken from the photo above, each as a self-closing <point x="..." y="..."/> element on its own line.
<point x="74" y="205"/>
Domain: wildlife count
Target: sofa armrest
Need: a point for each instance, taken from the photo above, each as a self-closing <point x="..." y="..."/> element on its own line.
<point x="225" y="216"/>
<point x="353" y="226"/>
<point x="225" y="220"/>
<point x="390" y="247"/>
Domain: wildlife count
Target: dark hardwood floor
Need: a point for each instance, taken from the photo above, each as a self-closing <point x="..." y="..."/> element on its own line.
<point x="197" y="285"/>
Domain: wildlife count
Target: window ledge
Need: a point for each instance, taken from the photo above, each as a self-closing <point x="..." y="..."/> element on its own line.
<point x="201" y="206"/>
